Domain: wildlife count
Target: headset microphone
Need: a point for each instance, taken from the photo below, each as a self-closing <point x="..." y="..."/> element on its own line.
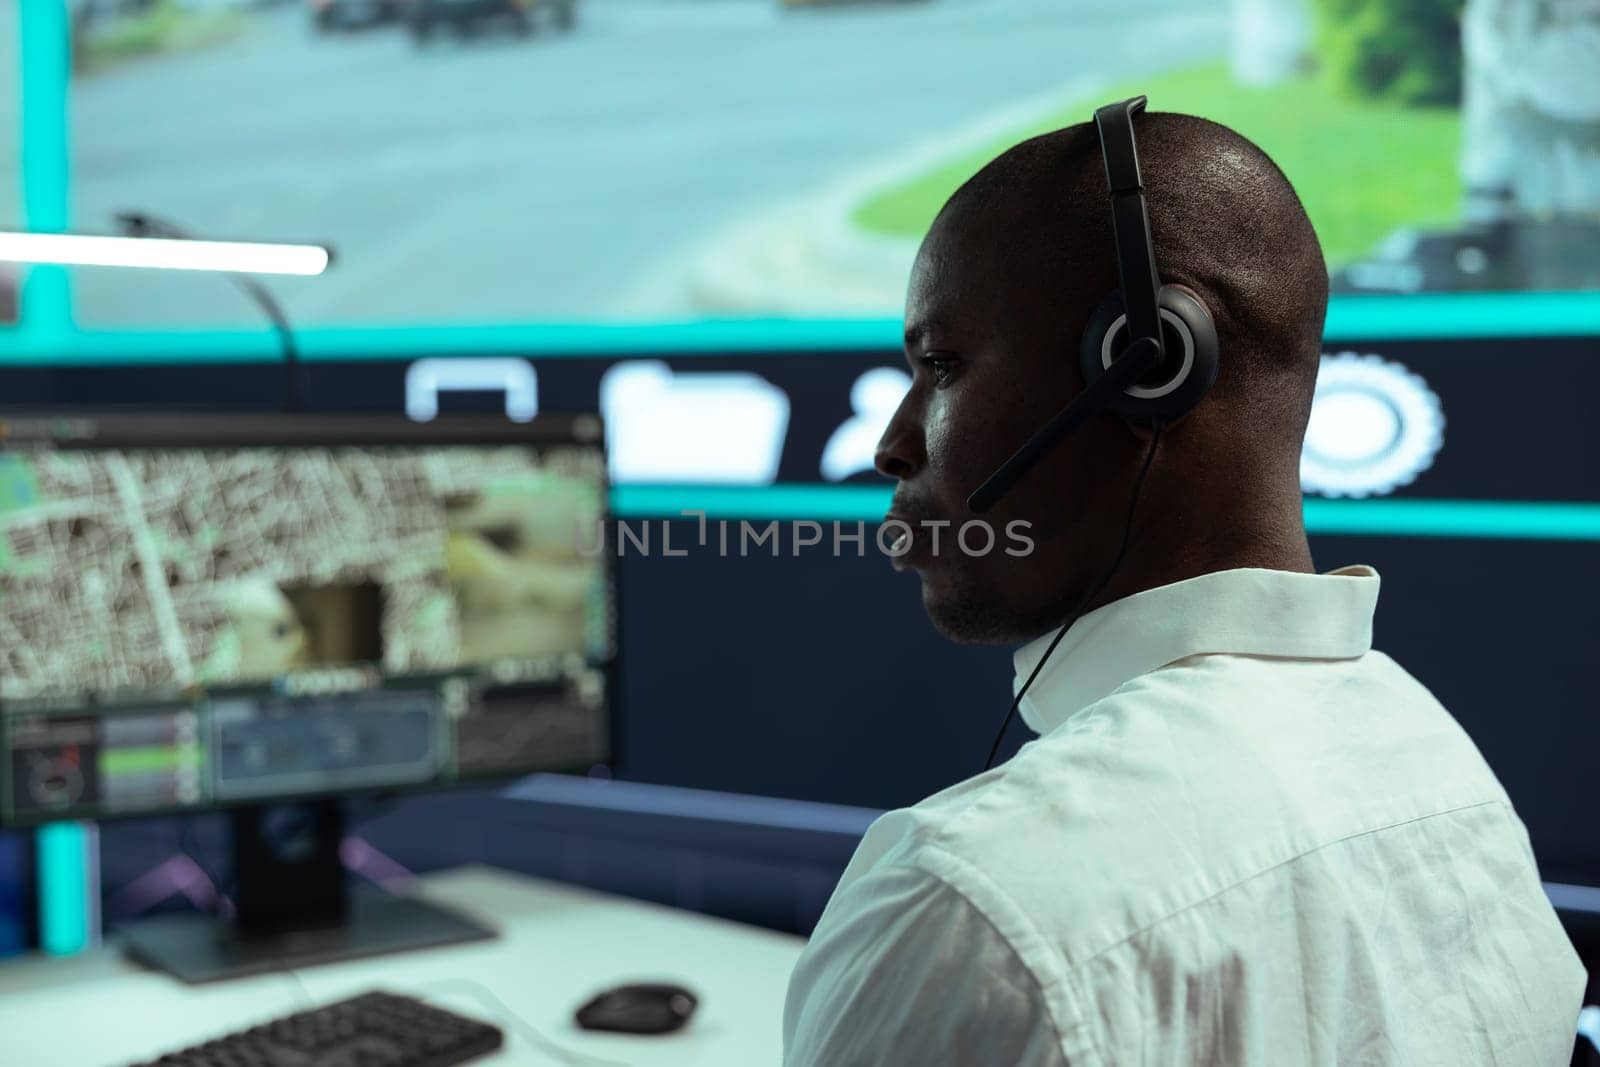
<point x="1139" y="358"/>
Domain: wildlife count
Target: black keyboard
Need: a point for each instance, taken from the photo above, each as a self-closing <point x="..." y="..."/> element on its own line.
<point x="372" y="1030"/>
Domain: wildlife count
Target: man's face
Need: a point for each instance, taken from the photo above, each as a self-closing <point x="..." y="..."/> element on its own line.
<point x="991" y="363"/>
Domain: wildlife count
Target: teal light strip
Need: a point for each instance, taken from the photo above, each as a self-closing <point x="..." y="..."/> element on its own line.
<point x="1373" y="518"/>
<point x="61" y="855"/>
<point x="1426" y="316"/>
<point x="546" y="340"/>
<point x="1351" y="320"/>
<point x="44" y="62"/>
<point x="868" y="502"/>
<point x="63" y="863"/>
<point x="1513" y="520"/>
<point x="704" y="336"/>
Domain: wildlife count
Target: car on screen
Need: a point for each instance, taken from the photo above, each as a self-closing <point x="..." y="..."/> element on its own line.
<point x="329" y="15"/>
<point x="462" y="17"/>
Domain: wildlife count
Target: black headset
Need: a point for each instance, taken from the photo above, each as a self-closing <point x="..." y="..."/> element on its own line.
<point x="1149" y="374"/>
<point x="1148" y="354"/>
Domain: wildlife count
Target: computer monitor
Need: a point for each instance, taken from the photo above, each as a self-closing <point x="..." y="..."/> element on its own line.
<point x="235" y="612"/>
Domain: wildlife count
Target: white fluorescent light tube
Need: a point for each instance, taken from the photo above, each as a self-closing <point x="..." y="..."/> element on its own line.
<point x="240" y="257"/>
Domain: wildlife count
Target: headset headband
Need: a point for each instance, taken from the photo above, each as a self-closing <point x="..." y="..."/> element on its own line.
<point x="1130" y="222"/>
<point x="1143" y="347"/>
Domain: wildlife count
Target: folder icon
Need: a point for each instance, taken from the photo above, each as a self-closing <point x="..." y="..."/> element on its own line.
<point x="693" y="427"/>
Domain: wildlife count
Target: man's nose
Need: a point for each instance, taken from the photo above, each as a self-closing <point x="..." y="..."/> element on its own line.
<point x="899" y="453"/>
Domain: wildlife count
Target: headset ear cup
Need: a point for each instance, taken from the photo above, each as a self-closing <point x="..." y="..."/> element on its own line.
<point x="1094" y="335"/>
<point x="1190" y="338"/>
<point x="1200" y="331"/>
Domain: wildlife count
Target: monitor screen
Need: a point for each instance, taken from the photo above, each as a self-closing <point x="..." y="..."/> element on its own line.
<point x="582" y="161"/>
<point x="214" y="611"/>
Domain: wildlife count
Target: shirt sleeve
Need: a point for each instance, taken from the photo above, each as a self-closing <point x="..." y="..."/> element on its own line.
<point x="903" y="969"/>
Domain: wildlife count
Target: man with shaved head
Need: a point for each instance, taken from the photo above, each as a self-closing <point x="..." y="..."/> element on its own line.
<point x="1242" y="836"/>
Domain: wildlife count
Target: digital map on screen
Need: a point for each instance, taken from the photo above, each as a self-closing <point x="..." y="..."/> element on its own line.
<point x="157" y="569"/>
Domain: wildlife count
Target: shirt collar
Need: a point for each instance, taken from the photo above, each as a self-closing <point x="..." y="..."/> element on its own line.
<point x="1247" y="611"/>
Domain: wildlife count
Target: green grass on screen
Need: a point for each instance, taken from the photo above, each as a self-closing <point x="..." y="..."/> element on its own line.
<point x="1361" y="167"/>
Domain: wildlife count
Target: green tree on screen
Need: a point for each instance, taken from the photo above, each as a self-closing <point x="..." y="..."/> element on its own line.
<point x="1401" y="51"/>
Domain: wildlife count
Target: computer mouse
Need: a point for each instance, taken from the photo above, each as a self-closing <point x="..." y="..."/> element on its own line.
<point x="639" y="1009"/>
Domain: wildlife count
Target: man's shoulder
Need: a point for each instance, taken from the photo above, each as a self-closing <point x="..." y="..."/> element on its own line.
<point x="1128" y="761"/>
<point x="1072" y="825"/>
<point x="1165" y="793"/>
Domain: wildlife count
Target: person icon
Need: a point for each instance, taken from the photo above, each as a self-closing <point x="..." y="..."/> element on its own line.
<point x="873" y="399"/>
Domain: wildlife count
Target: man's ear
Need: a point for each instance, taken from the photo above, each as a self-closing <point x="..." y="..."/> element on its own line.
<point x="1186" y="291"/>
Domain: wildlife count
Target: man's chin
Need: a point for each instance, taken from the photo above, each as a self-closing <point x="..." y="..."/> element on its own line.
<point x="962" y="617"/>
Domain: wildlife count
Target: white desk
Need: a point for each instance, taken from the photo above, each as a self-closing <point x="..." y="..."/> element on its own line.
<point x="558" y="946"/>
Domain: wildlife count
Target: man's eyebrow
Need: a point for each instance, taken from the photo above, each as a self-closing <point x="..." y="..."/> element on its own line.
<point x="918" y="332"/>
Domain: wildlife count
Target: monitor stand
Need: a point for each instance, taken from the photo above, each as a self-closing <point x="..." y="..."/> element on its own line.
<point x="293" y="906"/>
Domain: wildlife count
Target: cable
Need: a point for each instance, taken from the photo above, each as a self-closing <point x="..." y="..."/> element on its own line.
<point x="143" y="224"/>
<point x="1072" y="616"/>
<point x="504" y="1014"/>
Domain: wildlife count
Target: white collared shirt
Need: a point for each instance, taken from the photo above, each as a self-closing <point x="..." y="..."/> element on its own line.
<point x="1243" y="838"/>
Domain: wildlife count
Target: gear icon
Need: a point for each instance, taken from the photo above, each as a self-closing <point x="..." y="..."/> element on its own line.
<point x="1375" y="426"/>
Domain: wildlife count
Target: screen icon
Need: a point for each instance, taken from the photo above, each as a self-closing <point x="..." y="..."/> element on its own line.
<point x="697" y="427"/>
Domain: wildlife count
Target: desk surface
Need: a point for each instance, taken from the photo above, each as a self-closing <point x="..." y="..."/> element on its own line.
<point x="558" y="946"/>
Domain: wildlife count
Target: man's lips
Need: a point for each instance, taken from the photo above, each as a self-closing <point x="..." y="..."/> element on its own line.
<point x="905" y="547"/>
<point x="901" y="539"/>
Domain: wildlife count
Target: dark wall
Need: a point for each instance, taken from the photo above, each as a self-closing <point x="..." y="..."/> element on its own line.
<point x="821" y="678"/>
<point x="809" y="677"/>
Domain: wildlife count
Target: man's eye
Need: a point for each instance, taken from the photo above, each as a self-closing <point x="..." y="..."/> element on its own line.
<point x="942" y="367"/>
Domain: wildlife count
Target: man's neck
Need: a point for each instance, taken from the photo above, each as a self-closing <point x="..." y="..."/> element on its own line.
<point x="1275" y="543"/>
